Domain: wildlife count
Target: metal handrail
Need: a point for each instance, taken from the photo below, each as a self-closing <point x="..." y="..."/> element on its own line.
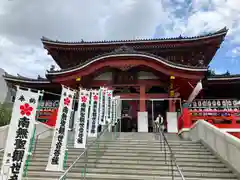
<point x="37" y="138"/>
<point x="171" y="152"/>
<point x="86" y="149"/>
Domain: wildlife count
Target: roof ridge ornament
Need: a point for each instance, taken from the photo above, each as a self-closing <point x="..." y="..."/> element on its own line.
<point x="124" y="49"/>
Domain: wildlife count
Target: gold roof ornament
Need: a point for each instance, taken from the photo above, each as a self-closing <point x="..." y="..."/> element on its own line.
<point x="172" y="77"/>
<point x="78" y="79"/>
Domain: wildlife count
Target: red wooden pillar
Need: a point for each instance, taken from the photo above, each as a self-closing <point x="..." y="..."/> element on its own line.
<point x="142" y="98"/>
<point x="186" y="118"/>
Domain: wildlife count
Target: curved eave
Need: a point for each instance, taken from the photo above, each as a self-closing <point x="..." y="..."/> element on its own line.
<point x="222" y="32"/>
<point x="151" y="57"/>
<point x="28" y="81"/>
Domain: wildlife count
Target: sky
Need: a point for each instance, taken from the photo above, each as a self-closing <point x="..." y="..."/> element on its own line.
<point x="24" y="22"/>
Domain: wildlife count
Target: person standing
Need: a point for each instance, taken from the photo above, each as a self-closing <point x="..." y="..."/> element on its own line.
<point x="159" y="124"/>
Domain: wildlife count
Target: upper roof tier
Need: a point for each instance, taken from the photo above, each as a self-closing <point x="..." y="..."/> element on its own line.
<point x="195" y="51"/>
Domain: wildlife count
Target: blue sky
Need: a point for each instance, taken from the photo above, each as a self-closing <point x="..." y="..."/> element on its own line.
<point x="209" y="16"/>
<point x="27" y="21"/>
<point x="225" y="59"/>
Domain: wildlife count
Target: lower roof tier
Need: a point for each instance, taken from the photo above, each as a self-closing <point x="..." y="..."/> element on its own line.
<point x="217" y="86"/>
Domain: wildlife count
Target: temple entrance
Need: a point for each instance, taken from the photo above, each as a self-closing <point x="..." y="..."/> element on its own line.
<point x="129" y="115"/>
<point x="154" y="108"/>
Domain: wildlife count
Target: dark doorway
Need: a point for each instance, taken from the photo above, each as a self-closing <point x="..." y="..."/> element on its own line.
<point x="154" y="108"/>
<point x="129" y="114"/>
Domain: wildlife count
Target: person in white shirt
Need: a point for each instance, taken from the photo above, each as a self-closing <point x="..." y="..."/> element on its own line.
<point x="159" y="123"/>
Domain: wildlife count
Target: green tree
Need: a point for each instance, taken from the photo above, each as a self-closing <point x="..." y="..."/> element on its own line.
<point x="5" y="114"/>
<point x="210" y="72"/>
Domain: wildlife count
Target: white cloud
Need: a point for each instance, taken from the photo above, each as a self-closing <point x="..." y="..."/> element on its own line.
<point x="70" y="20"/>
<point x="236" y="52"/>
<point x="24" y="22"/>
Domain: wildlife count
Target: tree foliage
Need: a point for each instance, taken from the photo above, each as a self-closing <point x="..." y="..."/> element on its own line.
<point x="5" y="114"/>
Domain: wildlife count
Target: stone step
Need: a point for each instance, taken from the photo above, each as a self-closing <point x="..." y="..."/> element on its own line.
<point x="130" y="142"/>
<point x="130" y="148"/>
<point x="128" y="153"/>
<point x="46" y="144"/>
<point x="136" y="163"/>
<point x="115" y="159"/>
<point x="147" y="147"/>
<point x="137" y="167"/>
<point x="122" y="177"/>
<point x="76" y="173"/>
<point x="134" y="156"/>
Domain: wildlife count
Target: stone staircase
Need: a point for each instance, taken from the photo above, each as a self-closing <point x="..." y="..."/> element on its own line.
<point x="135" y="156"/>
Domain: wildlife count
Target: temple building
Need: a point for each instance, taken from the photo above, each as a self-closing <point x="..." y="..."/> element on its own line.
<point x="152" y="76"/>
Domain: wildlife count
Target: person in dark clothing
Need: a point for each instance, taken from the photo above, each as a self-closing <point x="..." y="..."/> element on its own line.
<point x="99" y="128"/>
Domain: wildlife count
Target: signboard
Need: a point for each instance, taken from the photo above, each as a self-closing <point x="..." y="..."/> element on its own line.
<point x="20" y="131"/>
<point x="49" y="104"/>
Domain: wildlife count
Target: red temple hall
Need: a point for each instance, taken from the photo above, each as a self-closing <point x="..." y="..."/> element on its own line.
<point x="167" y="76"/>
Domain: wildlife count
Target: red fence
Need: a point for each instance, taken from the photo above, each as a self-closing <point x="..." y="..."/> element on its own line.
<point x="219" y="118"/>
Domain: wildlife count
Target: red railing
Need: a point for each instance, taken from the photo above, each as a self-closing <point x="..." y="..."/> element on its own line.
<point x="219" y="118"/>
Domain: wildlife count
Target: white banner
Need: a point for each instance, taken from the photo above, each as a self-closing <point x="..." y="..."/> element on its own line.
<point x="118" y="107"/>
<point x="109" y="106"/>
<point x="102" y="106"/>
<point x="93" y="116"/>
<point x="114" y="112"/>
<point x="195" y="92"/>
<point x="59" y="141"/>
<point x="82" y="119"/>
<point x="20" y="131"/>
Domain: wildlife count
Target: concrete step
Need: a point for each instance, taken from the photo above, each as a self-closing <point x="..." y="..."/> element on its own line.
<point x="75" y="173"/>
<point x="130" y="141"/>
<point x="146" y="148"/>
<point x="137" y="167"/>
<point x="133" y="145"/>
<point x="121" y="177"/>
<point x="134" y="155"/>
<point x="136" y="163"/>
<point x="116" y="159"/>
<point x="127" y="152"/>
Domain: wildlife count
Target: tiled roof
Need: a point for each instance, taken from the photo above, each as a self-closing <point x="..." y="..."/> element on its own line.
<point x="222" y="77"/>
<point x="19" y="78"/>
<point x="180" y="38"/>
